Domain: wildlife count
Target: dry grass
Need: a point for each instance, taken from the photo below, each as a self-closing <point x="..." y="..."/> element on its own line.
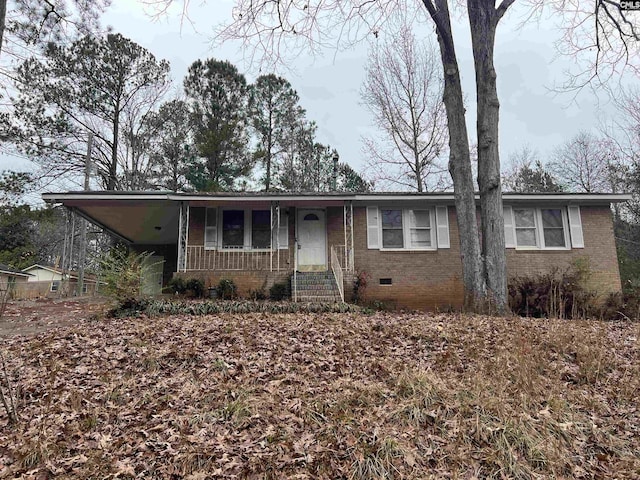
<point x="327" y="396"/>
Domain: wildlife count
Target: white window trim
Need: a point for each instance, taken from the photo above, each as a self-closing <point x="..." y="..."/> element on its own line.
<point x="248" y="230"/>
<point x="206" y="214"/>
<point x="539" y="229"/>
<point x="406" y="230"/>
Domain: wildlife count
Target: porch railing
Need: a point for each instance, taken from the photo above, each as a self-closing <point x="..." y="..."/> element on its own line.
<point x="199" y="258"/>
<point x="337" y="271"/>
<point x="345" y="257"/>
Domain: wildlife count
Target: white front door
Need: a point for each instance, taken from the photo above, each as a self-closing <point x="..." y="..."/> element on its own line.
<point x="312" y="240"/>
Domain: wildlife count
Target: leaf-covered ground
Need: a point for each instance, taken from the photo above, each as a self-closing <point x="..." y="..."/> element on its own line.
<point x="325" y="396"/>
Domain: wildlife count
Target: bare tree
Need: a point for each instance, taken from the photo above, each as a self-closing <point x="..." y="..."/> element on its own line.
<point x="403" y="91"/>
<point x="583" y="164"/>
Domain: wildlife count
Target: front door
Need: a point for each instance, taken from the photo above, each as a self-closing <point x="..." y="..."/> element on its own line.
<point x="312" y="241"/>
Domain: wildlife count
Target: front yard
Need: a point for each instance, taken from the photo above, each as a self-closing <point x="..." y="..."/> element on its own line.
<point x="325" y="396"/>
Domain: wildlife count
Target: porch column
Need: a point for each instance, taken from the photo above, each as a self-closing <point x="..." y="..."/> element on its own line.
<point x="278" y="233"/>
<point x="183" y="231"/>
<point x="348" y="235"/>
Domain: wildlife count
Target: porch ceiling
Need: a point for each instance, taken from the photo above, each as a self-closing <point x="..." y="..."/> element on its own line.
<point x="150" y="222"/>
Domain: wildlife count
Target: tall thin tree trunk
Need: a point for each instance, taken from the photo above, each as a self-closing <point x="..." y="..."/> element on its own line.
<point x="268" y="152"/>
<point x="483" y="20"/>
<point x="459" y="159"/>
<point x="113" y="167"/>
<point x="3" y="20"/>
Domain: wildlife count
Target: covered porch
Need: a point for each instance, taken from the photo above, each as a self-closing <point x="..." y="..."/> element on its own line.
<point x="273" y="236"/>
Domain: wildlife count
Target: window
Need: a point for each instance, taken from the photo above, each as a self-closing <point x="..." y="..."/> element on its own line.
<point x="233" y="228"/>
<point x="55" y="285"/>
<point x="525" y="227"/>
<point x="420" y="228"/>
<point x="211" y="228"/>
<point x="246" y="228"/>
<point x="544" y="228"/>
<point x="553" y="228"/>
<point x="407" y="229"/>
<point x="261" y="229"/>
<point x="392" y="235"/>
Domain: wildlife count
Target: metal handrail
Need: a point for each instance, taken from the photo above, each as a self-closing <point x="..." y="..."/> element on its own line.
<point x="336" y="268"/>
<point x="295" y="270"/>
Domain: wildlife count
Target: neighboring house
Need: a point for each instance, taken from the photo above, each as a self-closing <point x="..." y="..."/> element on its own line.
<point x="406" y="243"/>
<point x="52" y="281"/>
<point x="10" y="279"/>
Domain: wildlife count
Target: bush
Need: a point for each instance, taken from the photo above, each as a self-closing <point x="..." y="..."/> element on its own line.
<point x="622" y="306"/>
<point x="359" y="285"/>
<point x="257" y="294"/>
<point x="554" y="295"/>
<point x="280" y="291"/>
<point x="180" y="307"/>
<point x="176" y="285"/>
<point x="196" y="287"/>
<point x="122" y="274"/>
<point x="227" y="289"/>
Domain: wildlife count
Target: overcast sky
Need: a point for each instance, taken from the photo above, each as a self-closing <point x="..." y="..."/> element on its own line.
<point x="329" y="86"/>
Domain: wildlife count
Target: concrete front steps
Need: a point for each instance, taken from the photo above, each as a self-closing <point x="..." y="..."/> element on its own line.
<point x="317" y="287"/>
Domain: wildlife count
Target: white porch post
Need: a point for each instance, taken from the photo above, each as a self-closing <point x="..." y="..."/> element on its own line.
<point x="351" y="252"/>
<point x="348" y="236"/>
<point x="346" y="240"/>
<point x="183" y="231"/>
<point x="278" y="233"/>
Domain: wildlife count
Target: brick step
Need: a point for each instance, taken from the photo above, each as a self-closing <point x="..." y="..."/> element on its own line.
<point x="315" y="279"/>
<point x="319" y="298"/>
<point x="324" y="286"/>
<point x="319" y="293"/>
<point x="317" y="287"/>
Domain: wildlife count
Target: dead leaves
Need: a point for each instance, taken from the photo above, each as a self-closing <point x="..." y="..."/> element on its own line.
<point x="326" y="396"/>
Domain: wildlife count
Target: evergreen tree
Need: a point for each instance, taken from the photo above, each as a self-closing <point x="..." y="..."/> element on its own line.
<point x="273" y="106"/>
<point x="217" y="97"/>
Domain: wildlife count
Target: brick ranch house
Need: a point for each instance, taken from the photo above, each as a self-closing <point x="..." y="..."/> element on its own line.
<point x="407" y="243"/>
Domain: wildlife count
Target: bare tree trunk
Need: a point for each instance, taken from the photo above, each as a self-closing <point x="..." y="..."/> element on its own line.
<point x="113" y="166"/>
<point x="3" y="20"/>
<point x="483" y="20"/>
<point x="459" y="159"/>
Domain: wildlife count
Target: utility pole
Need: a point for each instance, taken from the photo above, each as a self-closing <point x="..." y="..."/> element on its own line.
<point x="82" y="254"/>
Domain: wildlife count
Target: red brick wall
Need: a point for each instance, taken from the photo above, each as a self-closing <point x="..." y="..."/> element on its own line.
<point x="245" y="281"/>
<point x="421" y="279"/>
<point x="599" y="249"/>
<point x="433" y="279"/>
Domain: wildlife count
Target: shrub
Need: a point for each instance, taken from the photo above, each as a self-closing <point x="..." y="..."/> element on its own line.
<point x="622" y="306"/>
<point x="257" y="294"/>
<point x="554" y="295"/>
<point x="280" y="291"/>
<point x="227" y="289"/>
<point x="176" y="285"/>
<point x="196" y="287"/>
<point x="122" y="274"/>
<point x="157" y="307"/>
<point x="359" y="284"/>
